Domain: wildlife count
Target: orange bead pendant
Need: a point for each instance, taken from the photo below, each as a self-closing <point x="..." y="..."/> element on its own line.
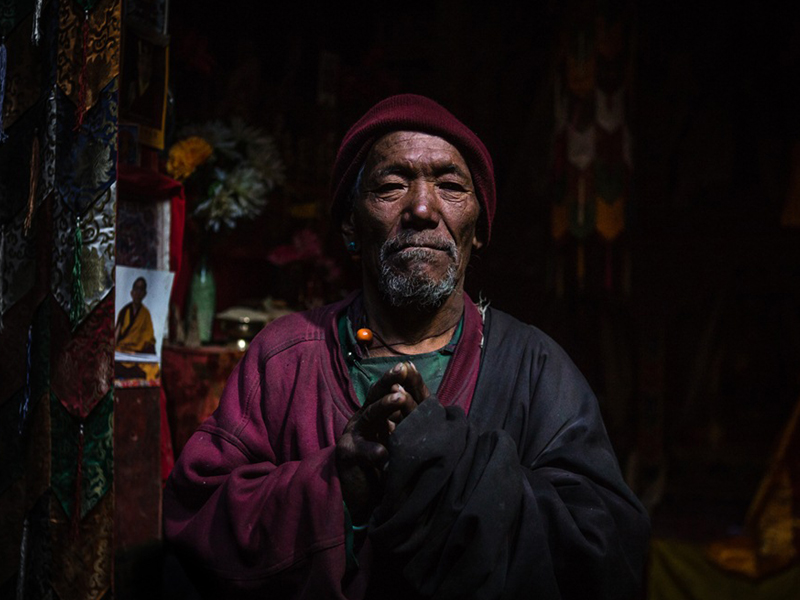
<point x="364" y="335"/>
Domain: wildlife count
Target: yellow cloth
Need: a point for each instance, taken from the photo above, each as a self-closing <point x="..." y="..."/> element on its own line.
<point x="135" y="334"/>
<point x="682" y="571"/>
<point x="610" y="218"/>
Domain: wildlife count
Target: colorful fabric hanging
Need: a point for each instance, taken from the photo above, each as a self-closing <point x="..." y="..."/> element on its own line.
<point x="88" y="51"/>
<point x="59" y="57"/>
<point x="3" y="70"/>
<point x="592" y="146"/>
<point x="12" y="349"/>
<point x="98" y="249"/>
<point x="581" y="203"/>
<point x="10" y="442"/>
<point x="610" y="218"/>
<point x="31" y="149"/>
<point x="610" y="109"/>
<point x="33" y="182"/>
<point x="12" y="508"/>
<point x="23" y="497"/>
<point x="581" y="63"/>
<point x="82" y="456"/>
<point x="36" y="27"/>
<point x="86" y="159"/>
<point x="96" y="256"/>
<point x="37" y="368"/>
<point x="609" y="180"/>
<point x="93" y="545"/>
<point x="25" y="405"/>
<point x="581" y="147"/>
<point x="35" y="552"/>
<point x="76" y="300"/>
<point x="559" y="223"/>
<point x="80" y="109"/>
<point x="26" y="73"/>
<point x="15" y="157"/>
<point x="610" y="33"/>
<point x="82" y="368"/>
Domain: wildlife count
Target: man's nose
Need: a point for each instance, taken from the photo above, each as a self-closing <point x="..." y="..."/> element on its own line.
<point x="422" y="211"/>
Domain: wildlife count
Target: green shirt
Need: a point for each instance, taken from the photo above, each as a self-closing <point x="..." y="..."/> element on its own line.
<point x="365" y="370"/>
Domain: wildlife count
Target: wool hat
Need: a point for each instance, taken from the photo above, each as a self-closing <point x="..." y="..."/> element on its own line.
<point x="410" y="112"/>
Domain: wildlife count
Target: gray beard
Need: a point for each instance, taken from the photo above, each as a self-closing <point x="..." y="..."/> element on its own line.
<point x="412" y="287"/>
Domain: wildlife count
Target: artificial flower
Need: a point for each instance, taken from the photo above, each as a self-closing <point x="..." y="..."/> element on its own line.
<point x="186" y="155"/>
<point x="229" y="169"/>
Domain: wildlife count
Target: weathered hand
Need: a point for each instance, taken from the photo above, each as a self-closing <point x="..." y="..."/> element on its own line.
<point x="361" y="450"/>
<point x="403" y="378"/>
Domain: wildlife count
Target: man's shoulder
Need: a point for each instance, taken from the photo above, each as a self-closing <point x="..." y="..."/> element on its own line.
<point x="506" y="328"/>
<point x="509" y="339"/>
<point x="313" y="325"/>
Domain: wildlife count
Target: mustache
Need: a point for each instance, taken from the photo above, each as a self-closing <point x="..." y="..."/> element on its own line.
<point x="415" y="239"/>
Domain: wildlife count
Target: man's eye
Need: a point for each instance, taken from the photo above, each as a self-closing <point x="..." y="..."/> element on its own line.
<point x="452" y="186"/>
<point x="388" y="187"/>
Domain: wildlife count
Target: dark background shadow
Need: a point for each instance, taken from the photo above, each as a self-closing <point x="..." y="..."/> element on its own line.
<point x="696" y="368"/>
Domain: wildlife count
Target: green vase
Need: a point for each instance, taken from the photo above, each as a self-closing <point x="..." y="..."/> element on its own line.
<point x="203" y="295"/>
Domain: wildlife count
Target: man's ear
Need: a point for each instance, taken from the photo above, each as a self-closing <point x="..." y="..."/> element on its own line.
<point x="348" y="228"/>
<point x="477" y="244"/>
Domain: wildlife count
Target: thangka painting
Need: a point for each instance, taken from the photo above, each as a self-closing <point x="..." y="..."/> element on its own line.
<point x="143" y="91"/>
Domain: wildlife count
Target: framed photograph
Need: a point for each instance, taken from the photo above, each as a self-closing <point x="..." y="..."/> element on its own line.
<point x="141" y="307"/>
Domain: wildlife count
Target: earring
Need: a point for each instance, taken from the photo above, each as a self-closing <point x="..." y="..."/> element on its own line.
<point x="352" y="247"/>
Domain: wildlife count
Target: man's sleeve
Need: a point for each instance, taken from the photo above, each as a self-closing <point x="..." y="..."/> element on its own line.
<point x="244" y="523"/>
<point x="534" y="506"/>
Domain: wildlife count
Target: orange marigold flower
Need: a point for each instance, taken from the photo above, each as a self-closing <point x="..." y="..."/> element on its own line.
<point x="185" y="156"/>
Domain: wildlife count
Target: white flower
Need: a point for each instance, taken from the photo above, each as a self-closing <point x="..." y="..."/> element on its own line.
<point x="247" y="166"/>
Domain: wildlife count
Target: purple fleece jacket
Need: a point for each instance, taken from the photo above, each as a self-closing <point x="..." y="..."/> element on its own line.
<point x="254" y="499"/>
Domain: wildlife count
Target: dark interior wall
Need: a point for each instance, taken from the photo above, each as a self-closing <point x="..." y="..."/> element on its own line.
<point x="714" y="271"/>
<point x="490" y="67"/>
<point x="715" y="278"/>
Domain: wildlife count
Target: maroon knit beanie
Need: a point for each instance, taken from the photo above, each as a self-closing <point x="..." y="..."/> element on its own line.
<point x="409" y="112"/>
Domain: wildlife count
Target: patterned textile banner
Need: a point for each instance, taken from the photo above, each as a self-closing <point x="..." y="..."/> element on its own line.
<point x="592" y="143"/>
<point x="24" y="74"/>
<point x="98" y="50"/>
<point x="83" y="362"/>
<point x="58" y="103"/>
<point x="82" y="452"/>
<point x="86" y="158"/>
<point x="97" y="252"/>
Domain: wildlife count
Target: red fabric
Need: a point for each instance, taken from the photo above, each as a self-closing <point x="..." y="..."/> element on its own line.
<point x="176" y="230"/>
<point x="167" y="455"/>
<point x="82" y="367"/>
<point x="143" y="184"/>
<point x="409" y="112"/>
<point x="254" y="495"/>
<point x="193" y="380"/>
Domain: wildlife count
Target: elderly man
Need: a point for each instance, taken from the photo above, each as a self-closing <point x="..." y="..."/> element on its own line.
<point x="406" y="443"/>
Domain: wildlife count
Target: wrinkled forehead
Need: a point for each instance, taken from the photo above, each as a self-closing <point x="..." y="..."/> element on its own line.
<point x="400" y="150"/>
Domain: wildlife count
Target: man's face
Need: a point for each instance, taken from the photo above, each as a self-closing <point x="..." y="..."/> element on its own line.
<point x="415" y="218"/>
<point x="138" y="292"/>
